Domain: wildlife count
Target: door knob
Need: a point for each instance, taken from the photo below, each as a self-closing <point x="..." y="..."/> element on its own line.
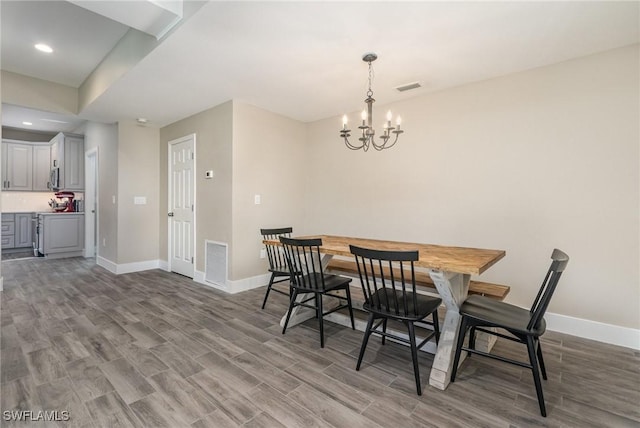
<point x="170" y="214"/>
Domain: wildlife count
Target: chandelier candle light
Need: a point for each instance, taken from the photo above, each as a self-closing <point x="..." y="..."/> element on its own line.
<point x="368" y="133"/>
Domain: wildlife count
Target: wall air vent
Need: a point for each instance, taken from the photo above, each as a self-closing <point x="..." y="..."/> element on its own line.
<point x="408" y="86"/>
<point x="215" y="268"/>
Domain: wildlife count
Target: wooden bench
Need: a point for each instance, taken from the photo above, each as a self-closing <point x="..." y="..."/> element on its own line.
<point x="495" y="291"/>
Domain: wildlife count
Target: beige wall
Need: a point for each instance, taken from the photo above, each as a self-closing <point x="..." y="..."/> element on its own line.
<point x="268" y="154"/>
<point x="104" y="138"/>
<point x="213" y="130"/>
<point x="138" y="176"/>
<point x="38" y="94"/>
<point x="527" y="162"/>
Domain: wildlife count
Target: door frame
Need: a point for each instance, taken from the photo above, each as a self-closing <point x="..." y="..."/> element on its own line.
<point x="188" y="137"/>
<point x="91" y="247"/>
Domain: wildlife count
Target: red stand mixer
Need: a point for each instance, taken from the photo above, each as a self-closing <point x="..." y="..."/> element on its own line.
<point x="65" y="204"/>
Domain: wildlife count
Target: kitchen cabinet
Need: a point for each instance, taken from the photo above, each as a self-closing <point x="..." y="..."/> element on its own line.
<point x="60" y="234"/>
<point x="67" y="154"/>
<point x="8" y="230"/>
<point x="23" y="227"/>
<point x="25" y="166"/>
<point x="41" y="168"/>
<point x="18" y="165"/>
<point x="17" y="230"/>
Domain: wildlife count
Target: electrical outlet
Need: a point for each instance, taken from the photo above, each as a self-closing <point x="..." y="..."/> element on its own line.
<point x="263" y="253"/>
<point x="257" y="199"/>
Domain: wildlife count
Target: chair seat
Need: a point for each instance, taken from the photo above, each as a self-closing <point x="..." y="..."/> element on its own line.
<point x="491" y="312"/>
<point x="313" y="283"/>
<point x="425" y="305"/>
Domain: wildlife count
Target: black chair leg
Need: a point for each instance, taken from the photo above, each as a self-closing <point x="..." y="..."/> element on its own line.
<point x="365" y="339"/>
<point x="414" y="356"/>
<point x="456" y="359"/>
<point x="273" y="275"/>
<point x="353" y="324"/>
<point x="320" y="318"/>
<point x="543" y="370"/>
<point x="531" y="347"/>
<point x="384" y="329"/>
<point x="292" y="302"/>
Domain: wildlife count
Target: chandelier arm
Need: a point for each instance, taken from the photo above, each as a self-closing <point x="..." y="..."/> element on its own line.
<point x="351" y="146"/>
<point x="394" y="141"/>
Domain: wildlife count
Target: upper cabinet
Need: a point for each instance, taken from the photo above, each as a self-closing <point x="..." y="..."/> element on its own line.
<point x="17" y="166"/>
<point x="67" y="155"/>
<point x="34" y="166"/>
<point x="41" y="167"/>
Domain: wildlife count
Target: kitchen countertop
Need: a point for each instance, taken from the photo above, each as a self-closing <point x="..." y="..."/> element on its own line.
<point x="18" y="212"/>
<point x="59" y="213"/>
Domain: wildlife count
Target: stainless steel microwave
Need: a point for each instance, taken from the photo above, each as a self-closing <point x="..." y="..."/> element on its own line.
<point x="54" y="179"/>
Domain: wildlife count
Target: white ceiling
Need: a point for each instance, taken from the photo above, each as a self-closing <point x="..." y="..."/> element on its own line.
<point x="303" y="59"/>
<point x="80" y="40"/>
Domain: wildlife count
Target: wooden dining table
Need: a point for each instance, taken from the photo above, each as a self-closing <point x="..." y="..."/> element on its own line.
<point x="450" y="268"/>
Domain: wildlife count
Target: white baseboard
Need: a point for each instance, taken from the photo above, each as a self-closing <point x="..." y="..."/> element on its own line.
<point x="233" y="287"/>
<point x="130" y="267"/>
<point x="587" y="329"/>
<point x="107" y="264"/>
<point x="138" y="266"/>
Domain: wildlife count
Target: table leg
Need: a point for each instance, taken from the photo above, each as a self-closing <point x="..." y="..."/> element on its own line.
<point x="300" y="314"/>
<point x="453" y="289"/>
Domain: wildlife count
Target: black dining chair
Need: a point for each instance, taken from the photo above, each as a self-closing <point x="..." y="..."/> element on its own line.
<point x="524" y="326"/>
<point x="307" y="277"/>
<point x="277" y="261"/>
<point x="389" y="286"/>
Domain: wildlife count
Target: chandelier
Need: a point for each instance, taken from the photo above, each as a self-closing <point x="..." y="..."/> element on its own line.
<point x="389" y="135"/>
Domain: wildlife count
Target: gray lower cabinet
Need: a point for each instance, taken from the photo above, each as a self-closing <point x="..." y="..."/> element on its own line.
<point x="8" y="230"/>
<point x="23" y="227"/>
<point x="17" y="230"/>
<point x="61" y="235"/>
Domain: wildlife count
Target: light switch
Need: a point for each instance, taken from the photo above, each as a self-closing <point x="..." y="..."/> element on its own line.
<point x="257" y="199"/>
<point x="113" y="199"/>
<point x="140" y="200"/>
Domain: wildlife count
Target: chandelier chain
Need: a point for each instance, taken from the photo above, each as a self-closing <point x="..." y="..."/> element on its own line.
<point x="370" y="91"/>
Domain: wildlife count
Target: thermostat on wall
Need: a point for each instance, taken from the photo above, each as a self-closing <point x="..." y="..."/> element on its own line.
<point x="208" y="174"/>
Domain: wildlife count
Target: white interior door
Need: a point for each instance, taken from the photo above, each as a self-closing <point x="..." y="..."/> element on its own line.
<point x="182" y="205"/>
<point x="91" y="203"/>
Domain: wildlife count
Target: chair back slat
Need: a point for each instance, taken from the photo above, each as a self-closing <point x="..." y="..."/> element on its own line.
<point x="388" y="280"/>
<point x="304" y="261"/>
<point x="548" y="287"/>
<point x="275" y="253"/>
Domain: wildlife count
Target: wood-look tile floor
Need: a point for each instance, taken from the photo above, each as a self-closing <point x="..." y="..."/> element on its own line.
<point x="156" y="349"/>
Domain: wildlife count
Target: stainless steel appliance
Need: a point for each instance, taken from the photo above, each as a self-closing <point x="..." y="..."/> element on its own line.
<point x="54" y="178"/>
<point x="35" y="234"/>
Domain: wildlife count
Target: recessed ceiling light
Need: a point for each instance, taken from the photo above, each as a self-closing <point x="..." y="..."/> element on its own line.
<point x="27" y="123"/>
<point x="43" y="48"/>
